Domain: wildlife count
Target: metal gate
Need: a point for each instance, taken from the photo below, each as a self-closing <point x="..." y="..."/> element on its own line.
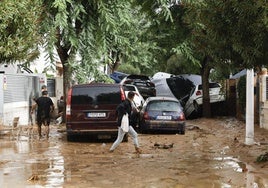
<point x="264" y="101"/>
<point x="17" y="94"/>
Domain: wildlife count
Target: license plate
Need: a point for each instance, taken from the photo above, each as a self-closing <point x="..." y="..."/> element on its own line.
<point x="164" y="117"/>
<point x="94" y="115"/>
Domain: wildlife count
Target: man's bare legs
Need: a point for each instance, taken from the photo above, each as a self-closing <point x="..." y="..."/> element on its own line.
<point x="47" y="131"/>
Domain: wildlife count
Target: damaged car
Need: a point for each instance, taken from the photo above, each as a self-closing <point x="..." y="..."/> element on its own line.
<point x="188" y="89"/>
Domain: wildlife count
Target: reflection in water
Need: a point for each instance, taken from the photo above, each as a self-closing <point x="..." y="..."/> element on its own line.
<point x="55" y="170"/>
<point x="41" y="159"/>
<point x="252" y="180"/>
<point x="47" y="163"/>
<point x="224" y="185"/>
<point x="228" y="162"/>
<point x="57" y="163"/>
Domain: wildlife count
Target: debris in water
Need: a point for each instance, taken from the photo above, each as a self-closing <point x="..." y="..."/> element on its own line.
<point x="34" y="177"/>
<point x="193" y="127"/>
<point x="262" y="158"/>
<point x="163" y="146"/>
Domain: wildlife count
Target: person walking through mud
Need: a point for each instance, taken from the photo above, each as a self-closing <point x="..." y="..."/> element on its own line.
<point x="44" y="106"/>
<point x="126" y="107"/>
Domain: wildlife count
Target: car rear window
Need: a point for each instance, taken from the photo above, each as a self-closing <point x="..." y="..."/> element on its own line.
<point x="163" y="106"/>
<point x="138" y="77"/>
<point x="96" y="95"/>
<point x="211" y="85"/>
<point x="140" y="83"/>
<point x="129" y="88"/>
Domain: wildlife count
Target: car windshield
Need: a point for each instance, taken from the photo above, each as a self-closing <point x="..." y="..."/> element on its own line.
<point x="163" y="106"/>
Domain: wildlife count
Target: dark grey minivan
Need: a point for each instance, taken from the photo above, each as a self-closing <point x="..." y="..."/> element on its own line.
<point x="91" y="110"/>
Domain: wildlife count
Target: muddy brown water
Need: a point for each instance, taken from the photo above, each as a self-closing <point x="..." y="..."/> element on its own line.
<point x="203" y="157"/>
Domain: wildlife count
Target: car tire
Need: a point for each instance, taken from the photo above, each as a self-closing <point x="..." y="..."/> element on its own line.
<point x="71" y="138"/>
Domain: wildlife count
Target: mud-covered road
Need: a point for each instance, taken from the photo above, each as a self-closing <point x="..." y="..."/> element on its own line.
<point x="212" y="153"/>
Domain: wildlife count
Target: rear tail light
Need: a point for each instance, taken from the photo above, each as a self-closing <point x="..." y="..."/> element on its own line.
<point x="181" y="117"/>
<point x="122" y="93"/>
<point x="146" y="116"/>
<point x="68" y="105"/>
<point x="198" y="92"/>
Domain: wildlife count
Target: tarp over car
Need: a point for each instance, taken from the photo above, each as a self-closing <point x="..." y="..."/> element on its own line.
<point x="118" y="76"/>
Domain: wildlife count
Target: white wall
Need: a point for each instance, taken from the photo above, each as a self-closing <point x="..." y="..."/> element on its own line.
<point x="263" y="102"/>
<point x="16" y="109"/>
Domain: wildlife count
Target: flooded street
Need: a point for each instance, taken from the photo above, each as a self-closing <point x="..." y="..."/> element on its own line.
<point x="210" y="154"/>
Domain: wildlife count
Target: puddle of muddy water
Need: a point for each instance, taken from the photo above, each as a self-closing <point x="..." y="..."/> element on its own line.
<point x="252" y="179"/>
<point x="58" y="163"/>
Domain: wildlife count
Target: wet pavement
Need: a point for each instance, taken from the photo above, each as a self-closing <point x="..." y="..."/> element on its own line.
<point x="200" y="158"/>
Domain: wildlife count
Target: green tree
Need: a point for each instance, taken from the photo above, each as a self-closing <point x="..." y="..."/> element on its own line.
<point x="19" y="30"/>
<point x="129" y="69"/>
<point x="88" y="34"/>
<point x="179" y="64"/>
<point x="241" y="28"/>
<point x="169" y="33"/>
<point x="227" y="35"/>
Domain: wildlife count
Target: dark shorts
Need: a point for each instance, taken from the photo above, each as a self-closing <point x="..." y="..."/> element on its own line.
<point x="43" y="121"/>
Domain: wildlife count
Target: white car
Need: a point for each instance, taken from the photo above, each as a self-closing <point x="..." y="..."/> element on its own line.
<point x="195" y="101"/>
<point x="187" y="89"/>
<point x="138" y="99"/>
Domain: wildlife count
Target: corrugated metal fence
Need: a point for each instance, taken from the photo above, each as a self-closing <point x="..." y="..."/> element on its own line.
<point x="17" y="94"/>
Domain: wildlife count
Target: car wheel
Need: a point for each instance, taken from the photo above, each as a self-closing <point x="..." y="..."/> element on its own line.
<point x="142" y="131"/>
<point x="71" y="138"/>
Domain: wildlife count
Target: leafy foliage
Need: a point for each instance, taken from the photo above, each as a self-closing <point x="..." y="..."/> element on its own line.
<point x="224" y="35"/>
<point x="236" y="31"/>
<point x="88" y="34"/>
<point x="170" y="36"/>
<point x="179" y="64"/>
<point x="129" y="69"/>
<point x="19" y="31"/>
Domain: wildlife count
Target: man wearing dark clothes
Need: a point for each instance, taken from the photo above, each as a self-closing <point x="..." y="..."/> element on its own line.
<point x="44" y="106"/>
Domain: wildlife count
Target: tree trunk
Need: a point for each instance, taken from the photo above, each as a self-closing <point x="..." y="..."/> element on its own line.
<point x="205" y="70"/>
<point x="64" y="56"/>
<point x="115" y="56"/>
